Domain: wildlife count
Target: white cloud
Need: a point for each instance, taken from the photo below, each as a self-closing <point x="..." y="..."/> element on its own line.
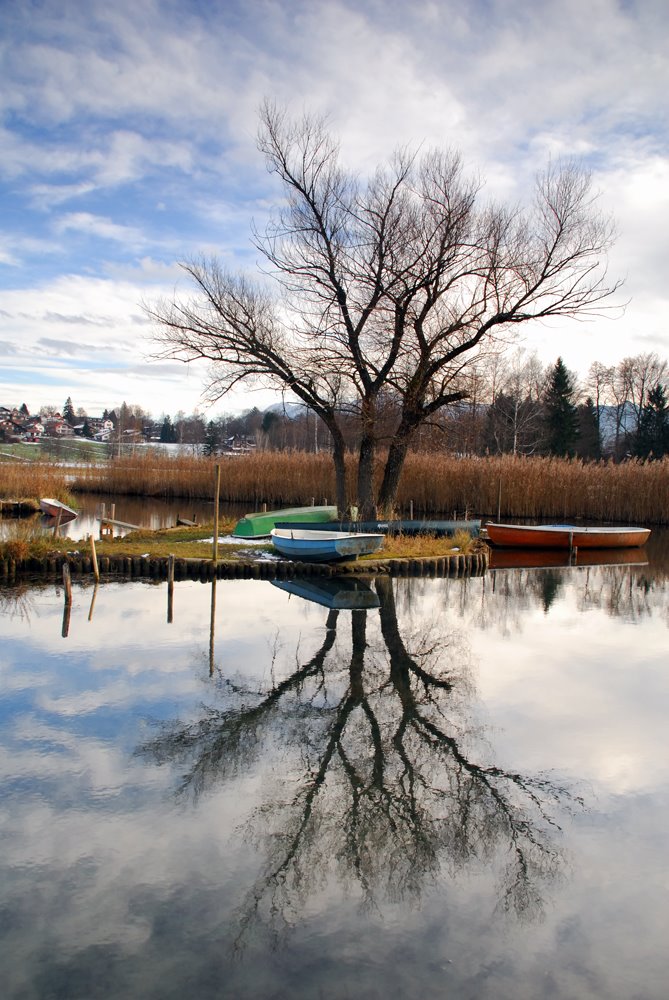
<point x="144" y="124"/>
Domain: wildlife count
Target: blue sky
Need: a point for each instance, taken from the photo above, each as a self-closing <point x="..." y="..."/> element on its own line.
<point x="128" y="144"/>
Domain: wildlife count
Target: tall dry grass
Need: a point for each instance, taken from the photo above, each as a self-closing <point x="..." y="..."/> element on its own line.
<point x="435" y="484"/>
<point x="538" y="487"/>
<point x="27" y="480"/>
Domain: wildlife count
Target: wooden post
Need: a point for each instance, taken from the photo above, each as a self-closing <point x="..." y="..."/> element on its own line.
<point x="217" y="492"/>
<point x="411" y="510"/>
<point x="499" y="500"/>
<point x="264" y="508"/>
<point x="67" y="583"/>
<point x="94" y="556"/>
<point x="170" y="589"/>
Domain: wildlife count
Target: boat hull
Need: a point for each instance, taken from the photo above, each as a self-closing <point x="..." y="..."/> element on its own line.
<point x="323" y="546"/>
<point x="564" y="536"/>
<point x="259" y="525"/>
<point x="55" y="508"/>
<point x="438" y="528"/>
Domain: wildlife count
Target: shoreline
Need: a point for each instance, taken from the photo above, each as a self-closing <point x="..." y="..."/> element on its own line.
<point x="121" y="566"/>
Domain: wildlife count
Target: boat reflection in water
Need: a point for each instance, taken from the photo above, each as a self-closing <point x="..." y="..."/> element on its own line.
<point x="543" y="558"/>
<point x="339" y="593"/>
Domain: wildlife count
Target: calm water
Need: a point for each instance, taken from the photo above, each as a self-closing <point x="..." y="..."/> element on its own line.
<point x="460" y="789"/>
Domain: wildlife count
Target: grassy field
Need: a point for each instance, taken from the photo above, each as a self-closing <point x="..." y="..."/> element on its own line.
<point x="532" y="488"/>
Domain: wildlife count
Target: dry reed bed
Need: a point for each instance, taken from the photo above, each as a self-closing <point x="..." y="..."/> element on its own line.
<point x="21" y="480"/>
<point x="436" y="484"/>
<point x="538" y="487"/>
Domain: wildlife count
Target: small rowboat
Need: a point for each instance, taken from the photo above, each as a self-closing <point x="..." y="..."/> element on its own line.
<point x="259" y="525"/>
<point x="565" y="536"/>
<point x="54" y="508"/>
<point x="323" y="546"/>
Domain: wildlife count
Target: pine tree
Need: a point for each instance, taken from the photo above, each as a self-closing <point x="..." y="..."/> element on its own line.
<point x="68" y="412"/>
<point x="561" y="415"/>
<point x="168" y="434"/>
<point x="589" y="439"/>
<point x="652" y="439"/>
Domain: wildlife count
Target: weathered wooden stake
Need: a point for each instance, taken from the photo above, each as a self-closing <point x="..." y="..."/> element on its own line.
<point x="411" y="510"/>
<point x="499" y="500"/>
<point x="264" y="508"/>
<point x="67" y="583"/>
<point x="94" y="557"/>
<point x="217" y="492"/>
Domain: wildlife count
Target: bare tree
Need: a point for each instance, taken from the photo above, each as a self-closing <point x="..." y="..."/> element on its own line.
<point x="516" y="412"/>
<point x="388" y="287"/>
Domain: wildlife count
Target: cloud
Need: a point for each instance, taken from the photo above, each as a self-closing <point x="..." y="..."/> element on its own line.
<point x="144" y="128"/>
<point x="92" y="225"/>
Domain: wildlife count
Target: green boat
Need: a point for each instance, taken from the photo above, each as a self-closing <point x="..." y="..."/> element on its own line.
<point x="260" y="525"/>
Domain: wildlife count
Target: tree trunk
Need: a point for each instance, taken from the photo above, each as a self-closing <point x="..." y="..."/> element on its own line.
<point x="392" y="473"/>
<point x="339" y="460"/>
<point x="366" y="499"/>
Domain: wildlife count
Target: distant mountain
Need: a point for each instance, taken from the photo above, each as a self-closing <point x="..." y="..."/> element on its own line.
<point x="289" y="410"/>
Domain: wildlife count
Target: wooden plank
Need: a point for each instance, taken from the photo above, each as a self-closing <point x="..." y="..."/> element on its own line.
<point x="119" y="524"/>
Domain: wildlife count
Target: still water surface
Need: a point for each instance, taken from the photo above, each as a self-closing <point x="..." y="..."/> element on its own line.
<point x="460" y="789"/>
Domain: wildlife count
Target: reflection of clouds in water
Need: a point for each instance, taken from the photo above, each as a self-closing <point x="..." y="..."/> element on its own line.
<point x="578" y="687"/>
<point x="99" y="855"/>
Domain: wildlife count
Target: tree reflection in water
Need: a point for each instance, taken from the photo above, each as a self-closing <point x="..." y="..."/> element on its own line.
<point x="388" y="789"/>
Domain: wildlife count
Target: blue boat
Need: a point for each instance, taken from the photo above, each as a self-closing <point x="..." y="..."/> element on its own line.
<point x="312" y="545"/>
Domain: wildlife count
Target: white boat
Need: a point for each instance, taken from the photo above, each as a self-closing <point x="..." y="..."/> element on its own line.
<point x="323" y="546"/>
<point x="55" y="508"/>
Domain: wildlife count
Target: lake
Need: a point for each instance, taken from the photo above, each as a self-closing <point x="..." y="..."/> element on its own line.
<point x="400" y="788"/>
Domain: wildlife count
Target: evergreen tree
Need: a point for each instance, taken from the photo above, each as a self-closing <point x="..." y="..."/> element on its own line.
<point x="168" y="434"/>
<point x="212" y="438"/>
<point x="589" y="440"/>
<point x="24" y="410"/>
<point x="68" y="412"/>
<point x="86" y="429"/>
<point x="561" y="415"/>
<point x="652" y="439"/>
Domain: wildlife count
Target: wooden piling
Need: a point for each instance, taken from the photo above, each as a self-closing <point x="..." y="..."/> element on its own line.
<point x="94" y="557"/>
<point x="217" y="491"/>
<point x="67" y="583"/>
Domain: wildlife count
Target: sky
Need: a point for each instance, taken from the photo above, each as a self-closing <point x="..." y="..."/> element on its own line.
<point x="128" y="144"/>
